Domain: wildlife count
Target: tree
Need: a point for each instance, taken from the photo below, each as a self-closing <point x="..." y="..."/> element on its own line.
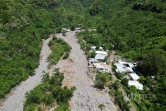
<point x="117" y="85"/>
<point x="133" y="89"/>
<point x="72" y="28"/>
<point x="125" y="81"/>
<point x="93" y="54"/>
<point x="154" y="63"/>
<point x="4" y="13"/>
<point x="58" y="30"/>
<point x="64" y="33"/>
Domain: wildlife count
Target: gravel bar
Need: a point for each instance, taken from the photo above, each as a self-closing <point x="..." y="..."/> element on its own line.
<point x="75" y="68"/>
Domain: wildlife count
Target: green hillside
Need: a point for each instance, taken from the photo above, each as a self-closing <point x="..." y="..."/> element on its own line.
<point x="136" y="29"/>
<point x="23" y="25"/>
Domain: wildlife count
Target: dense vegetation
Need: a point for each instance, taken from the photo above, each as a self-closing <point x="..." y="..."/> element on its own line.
<point x="136" y="30"/>
<point x="23" y="24"/>
<point x="49" y="93"/>
<point x="102" y="79"/>
<point x="59" y="48"/>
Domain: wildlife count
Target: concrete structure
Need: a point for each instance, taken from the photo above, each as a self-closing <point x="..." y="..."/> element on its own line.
<point x="134" y="76"/>
<point x="120" y="68"/>
<point x="128" y="69"/>
<point x="102" y="52"/>
<point x="131" y="65"/>
<point x="101" y="66"/>
<point x="92" y="60"/>
<point x="136" y="84"/>
<point x="100" y="57"/>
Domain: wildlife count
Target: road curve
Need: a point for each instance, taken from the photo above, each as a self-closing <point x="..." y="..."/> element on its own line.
<point x="15" y="100"/>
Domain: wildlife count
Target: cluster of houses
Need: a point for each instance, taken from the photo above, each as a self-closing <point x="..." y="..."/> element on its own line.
<point x="98" y="61"/>
<point x="127" y="67"/>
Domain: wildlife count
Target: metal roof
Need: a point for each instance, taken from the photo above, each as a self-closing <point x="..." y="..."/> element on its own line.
<point x="99" y="57"/>
<point x="134" y="76"/>
<point x="136" y="84"/>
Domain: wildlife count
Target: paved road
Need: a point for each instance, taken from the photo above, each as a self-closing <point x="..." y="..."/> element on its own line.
<point x="75" y="68"/>
<point x="14" y="101"/>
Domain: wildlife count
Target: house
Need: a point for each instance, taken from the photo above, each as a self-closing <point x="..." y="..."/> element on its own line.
<point x="129" y="69"/>
<point x="92" y="60"/>
<point x="131" y="65"/>
<point x="138" y="85"/>
<point x="100" y="57"/>
<point x="123" y="66"/>
<point x="102" y="52"/>
<point x="134" y="76"/>
<point x="122" y="62"/>
<point x="120" y="68"/>
<point x="101" y="66"/>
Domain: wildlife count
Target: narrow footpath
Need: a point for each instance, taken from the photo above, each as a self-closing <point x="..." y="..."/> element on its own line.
<point x="75" y="68"/>
<point x="15" y="99"/>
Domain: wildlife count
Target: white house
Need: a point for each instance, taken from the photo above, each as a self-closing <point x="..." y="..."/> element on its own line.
<point x="120" y="68"/>
<point x="134" y="76"/>
<point x="138" y="85"/>
<point x="102" y="53"/>
<point x="100" y="57"/>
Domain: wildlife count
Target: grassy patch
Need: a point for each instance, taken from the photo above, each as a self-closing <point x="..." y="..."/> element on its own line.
<point x="59" y="48"/>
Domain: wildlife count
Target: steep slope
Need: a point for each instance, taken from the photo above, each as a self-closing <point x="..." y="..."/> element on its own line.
<point x="22" y="26"/>
<point x="137" y="31"/>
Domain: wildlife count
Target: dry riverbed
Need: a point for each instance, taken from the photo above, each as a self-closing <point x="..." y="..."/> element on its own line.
<point x="75" y="68"/>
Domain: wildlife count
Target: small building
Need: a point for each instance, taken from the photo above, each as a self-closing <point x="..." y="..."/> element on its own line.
<point x="138" y="85"/>
<point x="92" y="60"/>
<point x="102" y="52"/>
<point x="120" y="68"/>
<point x="129" y="69"/>
<point x="131" y="65"/>
<point x="121" y="62"/>
<point x="134" y="76"/>
<point x="101" y="66"/>
<point x="100" y="57"/>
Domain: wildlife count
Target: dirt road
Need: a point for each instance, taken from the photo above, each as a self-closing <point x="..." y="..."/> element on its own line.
<point x="75" y="68"/>
<point x="14" y="101"/>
